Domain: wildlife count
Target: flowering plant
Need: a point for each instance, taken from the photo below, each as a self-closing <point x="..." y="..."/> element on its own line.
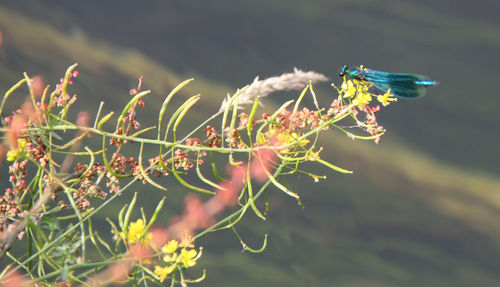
<point x="58" y="185"/>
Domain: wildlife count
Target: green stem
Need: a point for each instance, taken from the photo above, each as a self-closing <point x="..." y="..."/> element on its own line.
<point x="76" y="267"/>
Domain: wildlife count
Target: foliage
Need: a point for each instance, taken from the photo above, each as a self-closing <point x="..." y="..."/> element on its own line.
<point x="58" y="184"/>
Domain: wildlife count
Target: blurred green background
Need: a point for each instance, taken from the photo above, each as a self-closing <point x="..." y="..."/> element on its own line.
<point x="422" y="207"/>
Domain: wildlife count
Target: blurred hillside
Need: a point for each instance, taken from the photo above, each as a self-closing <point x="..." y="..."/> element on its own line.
<point x="232" y="42"/>
<point x="422" y="207"/>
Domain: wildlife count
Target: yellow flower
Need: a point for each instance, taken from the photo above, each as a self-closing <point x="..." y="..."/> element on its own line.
<point x="171" y="257"/>
<point x="162" y="272"/>
<point x="348" y="89"/>
<point x="13" y="154"/>
<point x="363" y="87"/>
<point x="362" y="99"/>
<point x="188" y="257"/>
<point x="135" y="233"/>
<point x="134" y="230"/>
<point x="170" y="247"/>
<point x="386" y="98"/>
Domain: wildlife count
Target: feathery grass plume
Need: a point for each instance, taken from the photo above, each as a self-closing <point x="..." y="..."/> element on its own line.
<point x="286" y="82"/>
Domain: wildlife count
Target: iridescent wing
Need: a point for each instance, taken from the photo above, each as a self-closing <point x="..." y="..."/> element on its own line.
<point x="408" y="86"/>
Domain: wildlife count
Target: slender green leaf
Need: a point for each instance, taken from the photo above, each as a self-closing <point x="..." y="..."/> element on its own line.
<point x="193" y="100"/>
<point x="176" y="113"/>
<point x="334" y="167"/>
<point x="299" y="100"/>
<point x="98" y="114"/>
<point x="103" y="120"/>
<point x="250" y="119"/>
<point x="167" y="100"/>
<point x="192" y="187"/>
<point x="251" y="198"/>
<point x="214" y="169"/>
<point x="264" y="245"/>
<point x="153" y="218"/>
<point x="129" y="211"/>
<point x="202" y="177"/>
<point x="9" y="92"/>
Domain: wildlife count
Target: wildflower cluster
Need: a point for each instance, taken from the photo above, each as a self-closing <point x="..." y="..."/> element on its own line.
<point x="176" y="255"/>
<point x="168" y="256"/>
<point x="9" y="201"/>
<point x="275" y="144"/>
<point x="355" y="98"/>
<point x="25" y="146"/>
